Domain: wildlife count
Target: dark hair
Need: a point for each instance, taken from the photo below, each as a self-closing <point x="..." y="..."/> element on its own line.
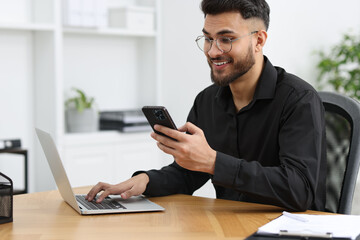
<point x="247" y="8"/>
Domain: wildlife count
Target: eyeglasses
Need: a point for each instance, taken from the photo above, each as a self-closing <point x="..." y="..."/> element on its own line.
<point x="224" y="44"/>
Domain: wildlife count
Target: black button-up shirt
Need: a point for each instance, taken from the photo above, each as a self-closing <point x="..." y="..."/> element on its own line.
<point x="272" y="151"/>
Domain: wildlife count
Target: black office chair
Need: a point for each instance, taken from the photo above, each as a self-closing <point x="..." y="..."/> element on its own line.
<point x="342" y="118"/>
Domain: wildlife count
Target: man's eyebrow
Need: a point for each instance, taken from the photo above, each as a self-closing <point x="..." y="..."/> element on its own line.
<point x="225" y="31"/>
<point x="204" y="31"/>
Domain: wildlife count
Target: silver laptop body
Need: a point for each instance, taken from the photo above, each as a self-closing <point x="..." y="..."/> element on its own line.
<point x="133" y="204"/>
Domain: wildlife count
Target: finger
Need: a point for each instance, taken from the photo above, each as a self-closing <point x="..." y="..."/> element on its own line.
<point x="191" y="128"/>
<point x="92" y="193"/>
<point x="131" y="192"/>
<point x="95" y="190"/>
<point x="175" y="134"/>
<point x="167" y="145"/>
<point x="164" y="140"/>
<point x="127" y="194"/>
<point x="183" y="128"/>
<point x="139" y="183"/>
<point x="103" y="196"/>
<point x="115" y="189"/>
<point x="167" y="149"/>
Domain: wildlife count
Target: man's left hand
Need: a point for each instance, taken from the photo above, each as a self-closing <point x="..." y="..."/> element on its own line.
<point x="190" y="151"/>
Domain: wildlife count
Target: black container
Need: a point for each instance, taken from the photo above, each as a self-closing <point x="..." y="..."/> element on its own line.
<point x="6" y="199"/>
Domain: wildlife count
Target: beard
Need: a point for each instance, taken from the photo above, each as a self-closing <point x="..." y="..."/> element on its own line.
<point x="240" y="68"/>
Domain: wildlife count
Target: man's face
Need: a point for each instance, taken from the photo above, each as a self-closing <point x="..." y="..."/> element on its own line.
<point x="227" y="67"/>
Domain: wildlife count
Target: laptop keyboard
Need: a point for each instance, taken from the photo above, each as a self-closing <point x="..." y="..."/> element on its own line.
<point x="107" y="203"/>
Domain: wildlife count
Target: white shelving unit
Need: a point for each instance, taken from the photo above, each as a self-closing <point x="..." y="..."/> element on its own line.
<point x="119" y="67"/>
<point x="27" y="27"/>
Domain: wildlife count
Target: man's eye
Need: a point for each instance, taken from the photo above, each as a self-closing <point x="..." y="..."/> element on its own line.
<point x="225" y="40"/>
<point x="208" y="40"/>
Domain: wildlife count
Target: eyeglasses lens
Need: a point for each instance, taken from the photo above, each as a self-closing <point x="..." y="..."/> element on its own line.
<point x="223" y="43"/>
<point x="203" y="43"/>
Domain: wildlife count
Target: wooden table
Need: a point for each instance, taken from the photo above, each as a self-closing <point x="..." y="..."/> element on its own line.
<point x="46" y="216"/>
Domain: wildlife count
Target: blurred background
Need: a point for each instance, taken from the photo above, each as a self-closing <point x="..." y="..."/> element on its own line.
<point x="125" y="54"/>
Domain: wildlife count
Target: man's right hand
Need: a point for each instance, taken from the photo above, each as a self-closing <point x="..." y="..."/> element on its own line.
<point x="131" y="187"/>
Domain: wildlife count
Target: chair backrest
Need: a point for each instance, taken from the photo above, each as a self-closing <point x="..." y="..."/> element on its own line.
<point x="342" y="119"/>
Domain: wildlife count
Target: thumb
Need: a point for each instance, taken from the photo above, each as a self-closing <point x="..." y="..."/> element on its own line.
<point x="127" y="194"/>
<point x="189" y="128"/>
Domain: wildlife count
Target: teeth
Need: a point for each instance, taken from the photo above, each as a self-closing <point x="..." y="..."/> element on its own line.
<point x="219" y="63"/>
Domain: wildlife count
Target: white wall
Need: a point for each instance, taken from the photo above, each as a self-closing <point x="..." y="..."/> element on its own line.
<point x="185" y="71"/>
<point x="299" y="28"/>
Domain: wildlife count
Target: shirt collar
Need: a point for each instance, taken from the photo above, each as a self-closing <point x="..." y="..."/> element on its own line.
<point x="266" y="85"/>
<point x="265" y="88"/>
<point x="224" y="97"/>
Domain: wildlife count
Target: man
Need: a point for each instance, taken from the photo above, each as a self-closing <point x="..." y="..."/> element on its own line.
<point x="257" y="132"/>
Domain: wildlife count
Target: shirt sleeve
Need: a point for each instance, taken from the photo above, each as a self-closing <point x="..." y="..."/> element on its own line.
<point x="293" y="183"/>
<point x="173" y="179"/>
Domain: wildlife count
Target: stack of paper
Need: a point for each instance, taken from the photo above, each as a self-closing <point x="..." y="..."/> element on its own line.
<point x="334" y="226"/>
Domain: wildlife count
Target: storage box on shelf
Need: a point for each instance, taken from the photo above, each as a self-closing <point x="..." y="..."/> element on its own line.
<point x="132" y="18"/>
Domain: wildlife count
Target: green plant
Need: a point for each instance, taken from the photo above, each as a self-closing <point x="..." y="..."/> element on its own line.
<point x="80" y="101"/>
<point x="340" y="68"/>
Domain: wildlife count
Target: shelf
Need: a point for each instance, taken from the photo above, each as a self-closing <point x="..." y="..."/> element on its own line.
<point x="118" y="66"/>
<point x="110" y="32"/>
<point x="27" y="27"/>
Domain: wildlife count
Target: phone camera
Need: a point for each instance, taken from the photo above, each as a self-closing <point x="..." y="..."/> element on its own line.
<point x="159" y="114"/>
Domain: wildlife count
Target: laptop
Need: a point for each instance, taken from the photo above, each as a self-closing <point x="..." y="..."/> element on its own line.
<point x="112" y="204"/>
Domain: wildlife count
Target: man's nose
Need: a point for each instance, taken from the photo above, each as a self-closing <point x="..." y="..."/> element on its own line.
<point x="214" y="50"/>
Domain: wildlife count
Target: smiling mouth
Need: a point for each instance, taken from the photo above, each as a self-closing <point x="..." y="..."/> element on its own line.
<point x="220" y="63"/>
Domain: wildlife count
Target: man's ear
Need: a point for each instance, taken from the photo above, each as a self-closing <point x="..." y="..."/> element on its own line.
<point x="261" y="40"/>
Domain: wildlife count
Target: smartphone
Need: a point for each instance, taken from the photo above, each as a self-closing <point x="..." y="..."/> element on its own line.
<point x="158" y="115"/>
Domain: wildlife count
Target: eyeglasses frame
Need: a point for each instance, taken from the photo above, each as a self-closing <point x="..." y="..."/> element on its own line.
<point x="217" y="45"/>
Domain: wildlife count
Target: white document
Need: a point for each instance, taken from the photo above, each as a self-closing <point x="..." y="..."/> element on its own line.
<point x="338" y="226"/>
